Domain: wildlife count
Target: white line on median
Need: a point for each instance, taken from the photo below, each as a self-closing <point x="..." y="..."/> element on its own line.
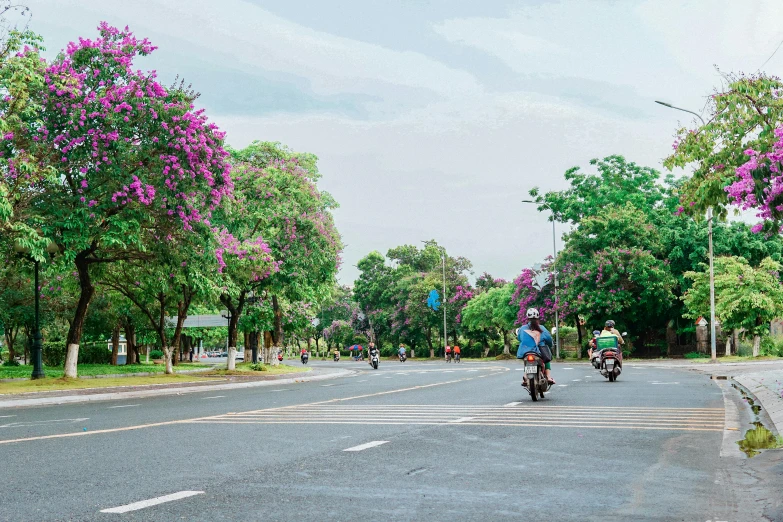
<point x="367" y="445"/>
<point x="567" y="368"/>
<point x="123" y="406"/>
<point x="39" y="423"/>
<point x="152" y="502"/>
<point x="511" y="404"/>
<point x="327" y="385"/>
<point x="215" y="397"/>
<point x="6" y="416"/>
<point x="283" y="389"/>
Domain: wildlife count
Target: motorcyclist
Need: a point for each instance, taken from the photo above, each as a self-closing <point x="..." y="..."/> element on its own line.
<point x="530" y="336"/>
<point x="302" y="354"/>
<point x="609" y="329"/>
<point x="401" y="351"/>
<point x="448" y="353"/>
<point x="591" y="347"/>
<point x="371" y="351"/>
<point x="457" y="353"/>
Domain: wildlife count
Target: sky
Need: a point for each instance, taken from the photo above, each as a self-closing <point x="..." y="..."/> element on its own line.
<point x="432" y="119"/>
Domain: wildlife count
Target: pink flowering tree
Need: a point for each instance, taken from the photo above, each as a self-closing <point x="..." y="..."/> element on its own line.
<point x="120" y="160"/>
<point x="280" y="234"/>
<point x="759" y="185"/>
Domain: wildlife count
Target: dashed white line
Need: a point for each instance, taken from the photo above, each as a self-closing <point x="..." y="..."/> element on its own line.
<point x="282" y="389"/>
<point x="327" y="385"/>
<point x="511" y="404"/>
<point x="6" y="416"/>
<point x="152" y="502"/>
<point x="577" y="380"/>
<point x="215" y="397"/>
<point x="365" y="380"/>
<point x="461" y="419"/>
<point x="367" y="445"/>
<point x="566" y="368"/>
<point x="39" y="423"/>
<point x="562" y="385"/>
<point x="124" y="406"/>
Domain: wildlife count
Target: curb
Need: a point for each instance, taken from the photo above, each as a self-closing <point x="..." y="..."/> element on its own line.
<point x="74" y="399"/>
<point x="112" y="375"/>
<point x="771" y="403"/>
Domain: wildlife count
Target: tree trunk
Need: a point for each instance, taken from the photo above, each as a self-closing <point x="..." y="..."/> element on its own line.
<point x="429" y="343"/>
<point x="579" y="338"/>
<point x="115" y="344"/>
<point x="756" y="345"/>
<point x="11" y="333"/>
<point x="248" y="349"/>
<point x="130" y="341"/>
<point x="167" y="353"/>
<point x="267" y="349"/>
<point x="277" y="334"/>
<point x="506" y="343"/>
<point x="86" y="292"/>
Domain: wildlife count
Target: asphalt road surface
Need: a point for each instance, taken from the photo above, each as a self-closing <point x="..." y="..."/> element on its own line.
<point x="413" y="441"/>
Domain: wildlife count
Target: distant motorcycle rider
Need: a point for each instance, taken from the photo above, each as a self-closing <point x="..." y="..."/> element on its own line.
<point x="530" y="336"/>
<point x="371" y="351"/>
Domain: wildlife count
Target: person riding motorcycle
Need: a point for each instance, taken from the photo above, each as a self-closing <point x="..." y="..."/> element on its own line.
<point x="401" y="351"/>
<point x="609" y="329"/>
<point x="371" y="351"/>
<point x="591" y="344"/>
<point x="530" y="336"/>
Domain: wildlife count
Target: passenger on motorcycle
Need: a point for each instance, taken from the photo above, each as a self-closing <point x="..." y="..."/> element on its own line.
<point x="530" y="336"/>
<point x="591" y="344"/>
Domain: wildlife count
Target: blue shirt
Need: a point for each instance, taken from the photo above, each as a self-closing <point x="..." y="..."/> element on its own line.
<point x="402" y="350"/>
<point x="528" y="344"/>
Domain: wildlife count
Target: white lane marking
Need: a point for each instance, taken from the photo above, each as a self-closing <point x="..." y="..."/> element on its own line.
<point x="215" y="397"/>
<point x="39" y="423"/>
<point x="472" y="370"/>
<point x="566" y="368"/>
<point x="6" y="416"/>
<point x="562" y="385"/>
<point x="123" y="406"/>
<point x="448" y="371"/>
<point x="327" y="385"/>
<point x="282" y="389"/>
<point x="511" y="404"/>
<point x="577" y="380"/>
<point x="387" y="377"/>
<point x="365" y="380"/>
<point x="520" y="369"/>
<point x="367" y="445"/>
<point x="461" y="419"/>
<point x="664" y="382"/>
<point x="152" y="502"/>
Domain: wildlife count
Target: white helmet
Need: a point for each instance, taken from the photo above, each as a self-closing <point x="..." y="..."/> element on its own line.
<point x="532" y="313"/>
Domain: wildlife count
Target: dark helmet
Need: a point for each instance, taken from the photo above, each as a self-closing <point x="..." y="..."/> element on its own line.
<point x="610" y="324"/>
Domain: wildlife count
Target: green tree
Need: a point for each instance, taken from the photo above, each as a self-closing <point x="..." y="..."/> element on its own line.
<point x="492" y="311"/>
<point x="745" y="297"/>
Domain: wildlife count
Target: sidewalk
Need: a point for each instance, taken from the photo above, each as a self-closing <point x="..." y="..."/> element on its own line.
<point x="49" y="398"/>
<point x="767" y="388"/>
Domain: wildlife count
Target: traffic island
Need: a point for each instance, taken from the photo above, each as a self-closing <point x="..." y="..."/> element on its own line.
<point x="767" y="390"/>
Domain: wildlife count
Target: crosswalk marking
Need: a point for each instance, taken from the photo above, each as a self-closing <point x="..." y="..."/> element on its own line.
<point x="512" y="414"/>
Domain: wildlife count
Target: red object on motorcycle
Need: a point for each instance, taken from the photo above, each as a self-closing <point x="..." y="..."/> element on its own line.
<point x="531" y="358"/>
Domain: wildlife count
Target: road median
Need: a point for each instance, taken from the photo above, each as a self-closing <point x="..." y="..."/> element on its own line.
<point x="190" y="385"/>
<point x="767" y="390"/>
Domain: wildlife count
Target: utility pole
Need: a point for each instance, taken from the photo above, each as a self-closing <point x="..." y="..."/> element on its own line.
<point x="445" y="337"/>
<point x="713" y="345"/>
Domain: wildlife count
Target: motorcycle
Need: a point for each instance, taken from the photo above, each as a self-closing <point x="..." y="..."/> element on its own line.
<point x="305" y="357"/>
<point x="280" y="357"/>
<point x="402" y="357"/>
<point x="336" y="356"/>
<point x="536" y="381"/>
<point x="456" y="357"/>
<point x="448" y="357"/>
<point x="374" y="360"/>
<point x="610" y="357"/>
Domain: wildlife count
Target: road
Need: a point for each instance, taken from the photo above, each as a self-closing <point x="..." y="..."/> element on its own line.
<point x="427" y="441"/>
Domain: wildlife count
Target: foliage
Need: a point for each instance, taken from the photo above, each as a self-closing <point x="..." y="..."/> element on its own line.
<point x="258" y="367"/>
<point x="741" y="116"/>
<point x="745" y="297"/>
<point x="156" y="354"/>
<point x="696" y="355"/>
<point x="11" y="362"/>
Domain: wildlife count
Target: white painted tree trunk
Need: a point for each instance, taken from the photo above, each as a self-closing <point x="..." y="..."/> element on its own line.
<point x="167" y="352"/>
<point x="728" y="346"/>
<point x="273" y="355"/>
<point x="231" y="364"/>
<point x="248" y="355"/>
<point x="71" y="358"/>
<point x="756" y="345"/>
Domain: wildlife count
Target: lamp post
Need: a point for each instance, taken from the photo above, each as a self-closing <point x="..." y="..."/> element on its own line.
<point x="713" y="341"/>
<point x="554" y="271"/>
<point x="37" y="350"/>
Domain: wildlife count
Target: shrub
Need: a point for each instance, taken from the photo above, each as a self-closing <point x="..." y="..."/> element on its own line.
<point x="696" y="355"/>
<point x="156" y="354"/>
<point x="258" y="367"/>
<point x="744" y="350"/>
<point x="54" y="353"/>
<point x="11" y="362"/>
<point x="772" y="346"/>
<point x="94" y="353"/>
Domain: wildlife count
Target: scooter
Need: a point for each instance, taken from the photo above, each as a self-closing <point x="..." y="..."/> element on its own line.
<point x="610" y="358"/>
<point x="403" y="357"/>
<point x="305" y="357"/>
<point x="280" y="357"/>
<point x="536" y="381"/>
<point x="456" y="357"/>
<point x="336" y="356"/>
<point x="374" y="360"/>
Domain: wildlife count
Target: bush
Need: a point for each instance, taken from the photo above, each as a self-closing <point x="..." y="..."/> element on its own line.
<point x="54" y="353"/>
<point x="696" y="355"/>
<point x="258" y="367"/>
<point x="94" y="353"/>
<point x="11" y="362"/>
<point x="772" y="346"/>
<point x="744" y="350"/>
<point x="156" y="354"/>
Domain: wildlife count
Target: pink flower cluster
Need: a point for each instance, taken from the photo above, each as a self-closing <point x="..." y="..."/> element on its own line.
<point x="759" y="183"/>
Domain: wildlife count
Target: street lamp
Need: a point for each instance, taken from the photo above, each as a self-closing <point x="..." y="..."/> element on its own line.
<point x="554" y="270"/>
<point x="37" y="350"/>
<point x="443" y="302"/>
<point x="713" y="341"/>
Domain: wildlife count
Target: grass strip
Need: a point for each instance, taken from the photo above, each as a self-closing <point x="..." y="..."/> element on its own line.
<point x="62" y="383"/>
